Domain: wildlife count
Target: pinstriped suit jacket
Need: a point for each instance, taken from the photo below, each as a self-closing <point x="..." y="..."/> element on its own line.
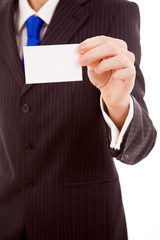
<point x="57" y="175"/>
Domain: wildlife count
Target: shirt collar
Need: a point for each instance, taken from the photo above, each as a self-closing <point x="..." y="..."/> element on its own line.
<point x="25" y="11"/>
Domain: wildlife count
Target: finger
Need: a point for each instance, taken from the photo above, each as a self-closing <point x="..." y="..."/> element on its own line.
<point x="97" y="41"/>
<point x="126" y="74"/>
<point x="114" y="63"/>
<point x="94" y="65"/>
<point x="104" y="51"/>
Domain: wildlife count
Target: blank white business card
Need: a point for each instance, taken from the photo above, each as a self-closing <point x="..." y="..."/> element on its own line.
<point x="51" y="63"/>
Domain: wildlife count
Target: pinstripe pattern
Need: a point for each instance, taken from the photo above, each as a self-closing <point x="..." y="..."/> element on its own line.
<point x="62" y="184"/>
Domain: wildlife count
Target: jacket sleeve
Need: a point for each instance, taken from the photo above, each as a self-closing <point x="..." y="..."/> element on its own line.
<point x="141" y="135"/>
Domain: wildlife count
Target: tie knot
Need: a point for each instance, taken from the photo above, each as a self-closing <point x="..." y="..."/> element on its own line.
<point x="34" y="25"/>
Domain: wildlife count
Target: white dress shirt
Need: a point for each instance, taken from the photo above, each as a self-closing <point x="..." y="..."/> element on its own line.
<point x="46" y="12"/>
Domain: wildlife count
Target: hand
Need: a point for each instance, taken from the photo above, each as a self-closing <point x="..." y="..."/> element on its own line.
<point x="111" y="69"/>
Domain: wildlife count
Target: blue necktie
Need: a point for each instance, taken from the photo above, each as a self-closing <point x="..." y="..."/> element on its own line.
<point x="34" y="25"/>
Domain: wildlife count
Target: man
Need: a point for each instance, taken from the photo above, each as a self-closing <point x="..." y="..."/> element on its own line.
<point x="57" y="176"/>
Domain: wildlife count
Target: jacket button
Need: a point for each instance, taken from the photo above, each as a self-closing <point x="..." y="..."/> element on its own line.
<point x="125" y="156"/>
<point x="28" y="184"/>
<point x="27" y="147"/>
<point x="25" y="108"/>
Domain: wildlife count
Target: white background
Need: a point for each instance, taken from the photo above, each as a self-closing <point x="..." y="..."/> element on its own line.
<point x="141" y="183"/>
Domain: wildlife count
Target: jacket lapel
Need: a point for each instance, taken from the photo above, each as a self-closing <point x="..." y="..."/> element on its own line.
<point x="8" y="45"/>
<point x="67" y="19"/>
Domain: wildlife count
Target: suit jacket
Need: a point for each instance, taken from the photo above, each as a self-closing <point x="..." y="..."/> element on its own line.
<point x="57" y="174"/>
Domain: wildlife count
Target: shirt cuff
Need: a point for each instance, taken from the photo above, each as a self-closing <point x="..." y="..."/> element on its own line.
<point x="116" y="135"/>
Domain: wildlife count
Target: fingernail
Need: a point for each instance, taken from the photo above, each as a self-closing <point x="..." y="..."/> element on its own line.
<point x="96" y="70"/>
<point x="80" y="60"/>
<point x="80" y="51"/>
<point x="82" y="47"/>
